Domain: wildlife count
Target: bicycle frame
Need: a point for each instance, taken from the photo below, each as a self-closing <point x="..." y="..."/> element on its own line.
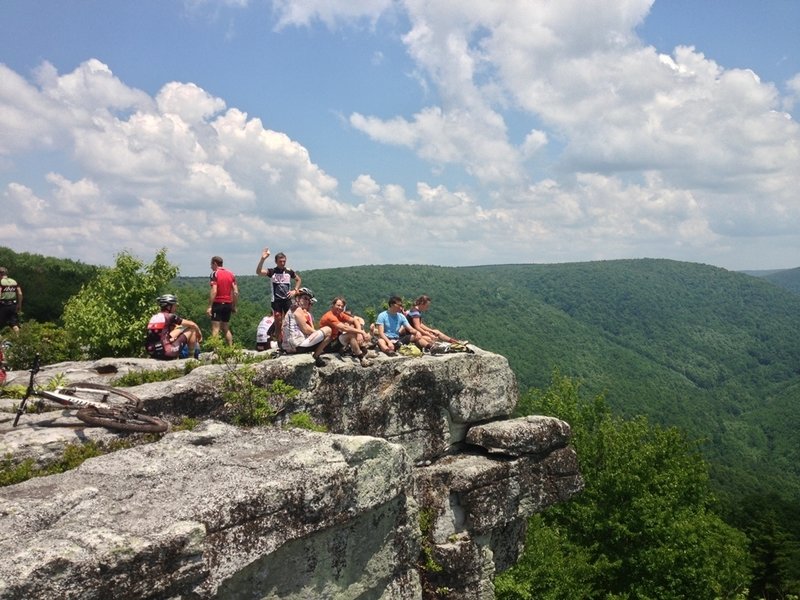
<point x="116" y="409"/>
<point x="56" y="395"/>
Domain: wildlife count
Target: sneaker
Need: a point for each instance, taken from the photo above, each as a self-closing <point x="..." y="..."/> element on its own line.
<point x="319" y="361"/>
<point x="391" y="353"/>
<point x="365" y="362"/>
<point x="371" y="354"/>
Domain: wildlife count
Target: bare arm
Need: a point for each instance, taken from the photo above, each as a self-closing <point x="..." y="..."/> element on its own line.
<point x="234" y="296"/>
<point x="19" y="298"/>
<point x="381" y="334"/>
<point x="193" y="326"/>
<point x="212" y="295"/>
<point x="300" y="316"/>
<point x="259" y="266"/>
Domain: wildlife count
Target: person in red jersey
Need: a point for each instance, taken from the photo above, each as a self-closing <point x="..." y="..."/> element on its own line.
<point x="222" y="299"/>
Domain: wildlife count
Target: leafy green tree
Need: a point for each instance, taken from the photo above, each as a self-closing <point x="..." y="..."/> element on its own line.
<point x="110" y="313"/>
<point x="551" y="568"/>
<point x="771" y="524"/>
<point x="644" y="527"/>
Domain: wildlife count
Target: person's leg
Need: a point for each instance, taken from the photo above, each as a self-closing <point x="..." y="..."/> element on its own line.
<point x="191" y="340"/>
<point x="9" y="317"/>
<point x="357" y="350"/>
<point x="220" y="317"/>
<point x="349" y="339"/>
<point x="226" y="329"/>
<point x="439" y="335"/>
<point x="178" y="338"/>
<point x="326" y="332"/>
<point x="423" y="341"/>
<point x="279" y="310"/>
<point x="363" y="339"/>
<point x="316" y="343"/>
<point x="181" y="335"/>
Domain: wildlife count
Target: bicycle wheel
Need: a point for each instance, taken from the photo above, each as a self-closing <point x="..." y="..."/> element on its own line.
<point x="122" y="419"/>
<point x="97" y="392"/>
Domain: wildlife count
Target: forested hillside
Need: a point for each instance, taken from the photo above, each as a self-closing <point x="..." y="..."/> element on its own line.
<point x="62" y="278"/>
<point x="787" y="278"/>
<point x="712" y="351"/>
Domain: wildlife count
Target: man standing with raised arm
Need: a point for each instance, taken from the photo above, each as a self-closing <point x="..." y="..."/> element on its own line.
<point x="281" y="292"/>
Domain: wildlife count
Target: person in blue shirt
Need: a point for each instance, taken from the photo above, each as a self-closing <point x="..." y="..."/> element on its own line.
<point x="393" y="329"/>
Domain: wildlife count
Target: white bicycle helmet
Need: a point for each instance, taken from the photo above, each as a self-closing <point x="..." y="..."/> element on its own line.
<point x="304" y="291"/>
<point x="167" y="300"/>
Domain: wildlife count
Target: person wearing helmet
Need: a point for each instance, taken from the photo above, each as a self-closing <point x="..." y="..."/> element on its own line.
<point x="167" y="332"/>
<point x="299" y="334"/>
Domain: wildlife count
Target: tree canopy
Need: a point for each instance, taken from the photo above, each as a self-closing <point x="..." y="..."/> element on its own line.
<point x="644" y="527"/>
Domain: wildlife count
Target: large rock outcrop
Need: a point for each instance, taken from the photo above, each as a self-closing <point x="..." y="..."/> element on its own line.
<point x="433" y="509"/>
<point x="217" y="512"/>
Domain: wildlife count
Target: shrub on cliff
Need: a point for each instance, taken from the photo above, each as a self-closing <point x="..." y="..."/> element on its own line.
<point x="110" y="313"/>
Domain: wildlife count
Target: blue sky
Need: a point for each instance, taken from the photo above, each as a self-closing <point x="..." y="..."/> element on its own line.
<point x="348" y="132"/>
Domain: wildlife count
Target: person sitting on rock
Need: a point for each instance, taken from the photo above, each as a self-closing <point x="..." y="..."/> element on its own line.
<point x="392" y="329"/>
<point x="299" y="334"/>
<point x="264" y="332"/>
<point x="414" y="316"/>
<point x="345" y="329"/>
<point x="167" y="332"/>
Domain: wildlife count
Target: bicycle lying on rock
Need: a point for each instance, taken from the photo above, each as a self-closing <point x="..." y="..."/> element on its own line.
<point x="97" y="404"/>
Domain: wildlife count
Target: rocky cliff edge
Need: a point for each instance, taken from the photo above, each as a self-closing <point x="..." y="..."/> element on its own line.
<point x="421" y="489"/>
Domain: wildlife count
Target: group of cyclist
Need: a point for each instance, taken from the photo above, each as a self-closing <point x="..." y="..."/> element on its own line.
<point x="291" y="325"/>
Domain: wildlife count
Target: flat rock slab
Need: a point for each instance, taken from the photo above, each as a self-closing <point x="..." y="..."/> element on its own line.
<point x="43" y="437"/>
<point x="212" y="513"/>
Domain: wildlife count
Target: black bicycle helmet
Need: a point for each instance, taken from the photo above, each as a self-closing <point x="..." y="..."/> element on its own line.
<point x="167" y="300"/>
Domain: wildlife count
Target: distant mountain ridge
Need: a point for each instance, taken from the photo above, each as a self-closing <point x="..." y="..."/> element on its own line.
<point x="785" y="278"/>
